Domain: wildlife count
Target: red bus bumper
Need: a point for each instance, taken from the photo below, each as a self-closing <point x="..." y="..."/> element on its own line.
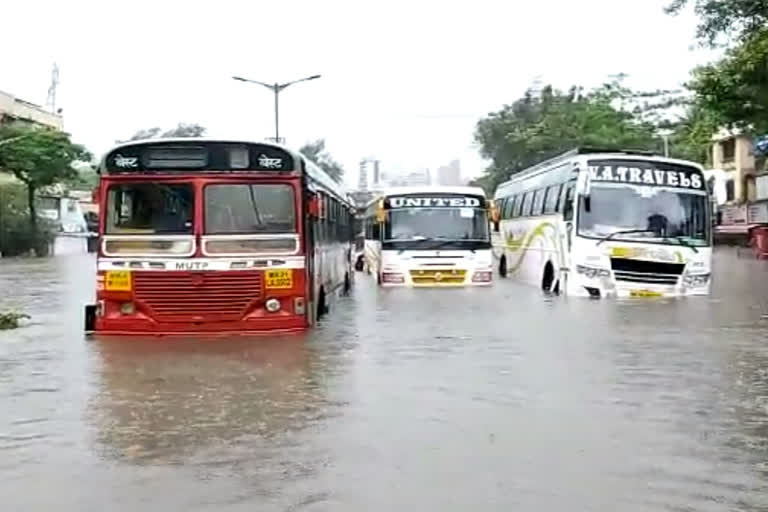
<point x="144" y="327"/>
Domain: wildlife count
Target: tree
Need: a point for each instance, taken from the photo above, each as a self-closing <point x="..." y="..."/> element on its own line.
<point x="315" y="151"/>
<point x="545" y="123"/>
<point x="86" y="177"/>
<point x="38" y="157"/>
<point x="185" y="130"/>
<point x="738" y="19"/>
<point x="181" y="130"/>
<point x="734" y="90"/>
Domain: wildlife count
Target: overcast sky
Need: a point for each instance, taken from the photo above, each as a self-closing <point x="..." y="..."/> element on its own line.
<point x="403" y="81"/>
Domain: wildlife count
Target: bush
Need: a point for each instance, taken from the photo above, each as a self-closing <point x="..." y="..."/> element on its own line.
<point x="16" y="237"/>
<point x="11" y="320"/>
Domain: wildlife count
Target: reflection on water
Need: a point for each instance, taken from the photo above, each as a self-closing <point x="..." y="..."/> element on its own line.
<point x="162" y="401"/>
<point x="492" y="399"/>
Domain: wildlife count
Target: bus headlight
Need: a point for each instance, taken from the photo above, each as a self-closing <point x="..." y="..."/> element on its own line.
<point x="127" y="308"/>
<point x="592" y="272"/>
<point x="272" y="305"/>
<point x="696" y="279"/>
<point x="299" y="306"/>
<point x="482" y="277"/>
<point x="392" y="277"/>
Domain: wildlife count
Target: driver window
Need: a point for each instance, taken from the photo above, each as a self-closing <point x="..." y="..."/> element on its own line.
<point x="566" y="203"/>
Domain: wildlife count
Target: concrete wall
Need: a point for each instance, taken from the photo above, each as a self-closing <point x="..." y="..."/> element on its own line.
<point x="13" y="108"/>
<point x="740" y="169"/>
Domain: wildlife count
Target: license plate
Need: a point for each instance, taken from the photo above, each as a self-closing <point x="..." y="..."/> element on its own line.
<point x="644" y="293"/>
<point x="117" y="281"/>
<point x="279" y="279"/>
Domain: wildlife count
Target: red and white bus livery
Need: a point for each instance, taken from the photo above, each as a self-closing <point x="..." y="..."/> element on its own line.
<point x="217" y="236"/>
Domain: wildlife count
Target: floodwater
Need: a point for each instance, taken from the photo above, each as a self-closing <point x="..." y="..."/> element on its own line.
<point x="444" y="400"/>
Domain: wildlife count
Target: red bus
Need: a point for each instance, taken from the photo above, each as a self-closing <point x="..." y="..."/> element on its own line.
<point x="217" y="236"/>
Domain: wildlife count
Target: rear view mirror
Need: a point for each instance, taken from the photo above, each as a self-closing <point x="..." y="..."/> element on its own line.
<point x="313" y="206"/>
<point x="583" y="183"/>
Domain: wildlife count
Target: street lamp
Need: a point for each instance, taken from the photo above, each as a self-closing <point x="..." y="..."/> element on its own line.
<point x="664" y="134"/>
<point x="276" y="88"/>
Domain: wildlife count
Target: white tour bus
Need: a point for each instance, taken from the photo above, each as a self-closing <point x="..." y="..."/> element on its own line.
<point x="606" y="223"/>
<point x="428" y="236"/>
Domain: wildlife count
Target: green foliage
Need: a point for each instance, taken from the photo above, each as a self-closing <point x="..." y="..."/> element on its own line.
<point x="16" y="238"/>
<point x="11" y="320"/>
<point x="38" y="157"/>
<point x="181" y="130"/>
<point x="86" y="178"/>
<point x="545" y="123"/>
<point x="691" y="137"/>
<point x="315" y="151"/>
<point x="735" y="89"/>
<point x="740" y="19"/>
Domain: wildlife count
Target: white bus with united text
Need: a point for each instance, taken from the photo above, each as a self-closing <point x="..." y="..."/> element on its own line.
<point x="428" y="236"/>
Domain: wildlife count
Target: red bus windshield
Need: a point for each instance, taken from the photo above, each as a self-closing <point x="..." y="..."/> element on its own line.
<point x="149" y="208"/>
<point x="249" y="209"/>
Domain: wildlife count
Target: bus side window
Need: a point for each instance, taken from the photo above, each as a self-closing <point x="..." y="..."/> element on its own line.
<point x="538" y="201"/>
<point x="520" y="204"/>
<point x="513" y="206"/>
<point x="506" y="213"/>
<point x="550" y="203"/>
<point x="527" y="204"/>
<point x="566" y="203"/>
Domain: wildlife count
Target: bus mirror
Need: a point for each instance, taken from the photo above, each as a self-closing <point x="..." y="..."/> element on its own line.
<point x="314" y="207"/>
<point x="584" y="183"/>
<point x="381" y="214"/>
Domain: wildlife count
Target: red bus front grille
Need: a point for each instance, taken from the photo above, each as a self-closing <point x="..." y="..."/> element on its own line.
<point x="215" y="296"/>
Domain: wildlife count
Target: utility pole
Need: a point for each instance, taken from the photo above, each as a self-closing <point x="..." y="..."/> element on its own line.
<point x="51" y="102"/>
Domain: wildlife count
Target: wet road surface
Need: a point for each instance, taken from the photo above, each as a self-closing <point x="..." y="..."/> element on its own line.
<point x="479" y="399"/>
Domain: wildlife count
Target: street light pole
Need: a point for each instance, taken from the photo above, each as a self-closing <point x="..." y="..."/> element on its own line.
<point x="665" y="137"/>
<point x="276" y="88"/>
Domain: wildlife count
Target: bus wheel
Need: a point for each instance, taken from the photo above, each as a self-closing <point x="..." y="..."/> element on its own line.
<point x="549" y="278"/>
<point x="503" y="266"/>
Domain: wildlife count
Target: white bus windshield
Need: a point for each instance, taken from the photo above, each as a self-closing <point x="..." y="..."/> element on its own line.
<point x="420" y="224"/>
<point x="652" y="214"/>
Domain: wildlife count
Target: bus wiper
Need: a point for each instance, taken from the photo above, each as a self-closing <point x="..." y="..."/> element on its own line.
<point x="624" y="232"/>
<point x="682" y="241"/>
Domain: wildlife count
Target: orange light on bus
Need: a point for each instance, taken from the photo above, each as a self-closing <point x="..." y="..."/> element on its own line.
<point x="381" y="214"/>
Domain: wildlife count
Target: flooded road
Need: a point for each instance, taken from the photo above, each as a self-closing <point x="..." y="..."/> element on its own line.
<point x="484" y="399"/>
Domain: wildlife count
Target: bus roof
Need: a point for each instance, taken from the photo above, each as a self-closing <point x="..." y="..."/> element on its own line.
<point x="580" y="152"/>
<point x="428" y="189"/>
<point x="315" y="174"/>
<point x="188" y="140"/>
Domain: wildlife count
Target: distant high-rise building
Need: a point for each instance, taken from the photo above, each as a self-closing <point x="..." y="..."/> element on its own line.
<point x="362" y="182"/>
<point x="376" y="174"/>
<point x="450" y="174"/>
<point x="413" y="179"/>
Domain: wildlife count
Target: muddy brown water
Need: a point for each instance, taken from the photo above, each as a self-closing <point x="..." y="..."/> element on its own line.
<point x="476" y="399"/>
